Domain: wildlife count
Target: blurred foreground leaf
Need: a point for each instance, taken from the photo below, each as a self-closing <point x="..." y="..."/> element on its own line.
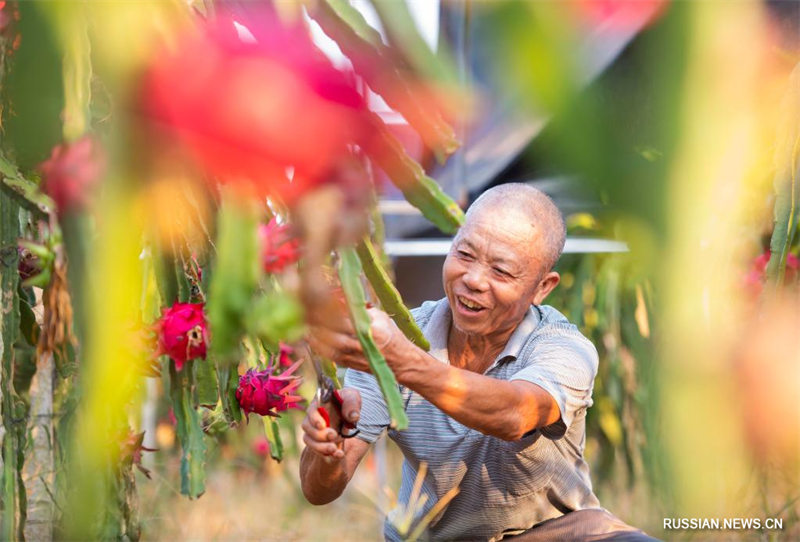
<point x="32" y="91"/>
<point x="233" y="285"/>
<point x="787" y="184"/>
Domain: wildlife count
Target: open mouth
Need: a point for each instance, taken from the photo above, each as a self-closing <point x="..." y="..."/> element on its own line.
<point x="468" y="305"/>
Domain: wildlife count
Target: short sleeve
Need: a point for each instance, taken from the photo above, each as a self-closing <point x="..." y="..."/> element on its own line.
<point x="374" y="416"/>
<point x="565" y="367"/>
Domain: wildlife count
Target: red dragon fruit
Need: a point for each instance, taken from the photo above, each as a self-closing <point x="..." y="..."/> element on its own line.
<point x="260" y="446"/>
<point x="754" y="279"/>
<point x="183" y="333"/>
<point x="4" y="16"/>
<point x="278" y="248"/>
<point x="267" y="394"/>
<point x="255" y="107"/>
<point x="620" y="14"/>
<point x="284" y="355"/>
<point x="71" y="173"/>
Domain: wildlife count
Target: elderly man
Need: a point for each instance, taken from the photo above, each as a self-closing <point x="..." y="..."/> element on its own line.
<point x="497" y="407"/>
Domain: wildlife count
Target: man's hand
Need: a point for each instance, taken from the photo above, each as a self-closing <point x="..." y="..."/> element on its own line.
<point x="390" y="339"/>
<point x="328" y="461"/>
<point x="323" y="440"/>
<point x="340" y="345"/>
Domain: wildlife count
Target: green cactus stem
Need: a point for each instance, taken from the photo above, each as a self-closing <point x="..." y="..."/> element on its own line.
<point x="189" y="431"/>
<point x="350" y="276"/>
<point x="388" y="295"/>
<point x="12" y="408"/>
<point x="363" y="46"/>
<point x="420" y="190"/>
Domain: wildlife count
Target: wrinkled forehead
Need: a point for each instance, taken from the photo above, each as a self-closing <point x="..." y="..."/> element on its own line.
<point x="502" y="232"/>
<point x="506" y="220"/>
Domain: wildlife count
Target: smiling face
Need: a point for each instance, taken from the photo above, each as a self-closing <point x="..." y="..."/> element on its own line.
<point x="494" y="271"/>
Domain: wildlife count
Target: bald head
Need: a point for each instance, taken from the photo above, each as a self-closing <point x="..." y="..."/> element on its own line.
<point x="534" y="206"/>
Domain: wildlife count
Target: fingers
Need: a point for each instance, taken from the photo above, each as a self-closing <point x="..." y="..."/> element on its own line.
<point x="323" y="449"/>
<point x="318" y="437"/>
<point x="342" y="349"/>
<point x="351" y="405"/>
<point x="325" y="341"/>
<point x="383" y="328"/>
<point x="341" y="325"/>
<point x="332" y="314"/>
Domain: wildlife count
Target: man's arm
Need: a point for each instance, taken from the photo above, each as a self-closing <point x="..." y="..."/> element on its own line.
<point x="503" y="409"/>
<point x="323" y="478"/>
<point x="328" y="462"/>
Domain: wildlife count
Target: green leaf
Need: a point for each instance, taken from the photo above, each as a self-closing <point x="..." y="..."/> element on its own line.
<point x="350" y="276"/>
<point x="390" y="298"/>
<point x="274" y="437"/>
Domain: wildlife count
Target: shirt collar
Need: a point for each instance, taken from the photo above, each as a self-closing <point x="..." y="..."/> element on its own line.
<point x="438" y="327"/>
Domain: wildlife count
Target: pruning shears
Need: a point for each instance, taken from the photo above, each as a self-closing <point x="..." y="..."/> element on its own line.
<point x="329" y="402"/>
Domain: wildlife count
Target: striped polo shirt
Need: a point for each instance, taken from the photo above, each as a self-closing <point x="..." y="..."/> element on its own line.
<point x="505" y="487"/>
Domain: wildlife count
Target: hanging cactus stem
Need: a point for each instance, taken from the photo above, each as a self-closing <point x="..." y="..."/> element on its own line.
<point x="419" y="189"/>
<point x="364" y="47"/>
<point x="189" y="431"/>
<point x="388" y="295"/>
<point x="350" y="276"/>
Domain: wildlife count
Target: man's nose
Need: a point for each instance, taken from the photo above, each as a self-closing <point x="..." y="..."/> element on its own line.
<point x="475" y="278"/>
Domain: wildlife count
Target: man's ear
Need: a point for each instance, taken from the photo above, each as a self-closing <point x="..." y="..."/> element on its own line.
<point x="546" y="285"/>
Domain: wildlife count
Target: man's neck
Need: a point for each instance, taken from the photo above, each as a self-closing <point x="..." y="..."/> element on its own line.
<point x="474" y="352"/>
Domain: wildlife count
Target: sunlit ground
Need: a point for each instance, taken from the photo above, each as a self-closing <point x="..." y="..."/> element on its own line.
<point x="253" y="498"/>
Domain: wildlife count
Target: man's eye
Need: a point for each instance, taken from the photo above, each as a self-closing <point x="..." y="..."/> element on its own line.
<point x="464" y="254"/>
<point x="502" y="272"/>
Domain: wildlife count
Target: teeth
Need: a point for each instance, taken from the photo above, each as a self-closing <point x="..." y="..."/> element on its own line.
<point x="469" y="304"/>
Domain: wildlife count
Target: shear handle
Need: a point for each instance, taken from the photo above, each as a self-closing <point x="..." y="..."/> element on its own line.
<point x="330" y="408"/>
